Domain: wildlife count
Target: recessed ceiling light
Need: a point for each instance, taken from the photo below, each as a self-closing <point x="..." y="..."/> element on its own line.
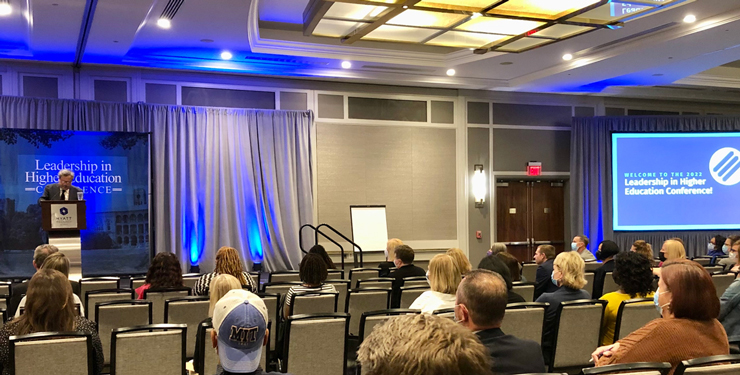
<point x="475" y="15"/>
<point x="689" y="18"/>
<point x="346" y="64"/>
<point x="226" y="55"/>
<point x="567" y="57"/>
<point x="5" y="9"/>
<point x="405" y="7"/>
<point x="451" y="72"/>
<point x="506" y="63"/>
<point x="164" y="23"/>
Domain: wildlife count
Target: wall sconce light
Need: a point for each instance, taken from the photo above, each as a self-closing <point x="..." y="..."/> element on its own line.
<point x="479" y="185"/>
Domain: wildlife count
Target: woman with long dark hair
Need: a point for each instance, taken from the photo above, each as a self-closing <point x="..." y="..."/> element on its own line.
<point x="165" y="272"/>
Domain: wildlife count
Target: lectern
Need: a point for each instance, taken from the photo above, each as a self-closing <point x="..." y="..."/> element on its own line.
<point x="63" y="221"/>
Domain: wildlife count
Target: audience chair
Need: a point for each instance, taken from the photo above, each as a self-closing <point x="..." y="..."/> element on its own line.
<point x="63" y="353"/>
<point x="3" y="317"/>
<point x="714" y="365"/>
<point x="713" y="269"/>
<point x="6" y="288"/>
<point x="609" y="284"/>
<point x="88" y="284"/>
<point x="189" y="311"/>
<point x="159" y="296"/>
<point x="94" y="297"/>
<point x="314" y="303"/>
<point x="445" y="313"/>
<point x="4" y="302"/>
<point x="370" y="319"/>
<point x="637" y="368"/>
<point x="335" y="274"/>
<point x="255" y="275"/>
<point x="189" y="279"/>
<point x="632" y="315"/>
<point x="281" y="288"/>
<point x="524" y="289"/>
<point x="529" y="271"/>
<point x="374" y="282"/>
<point x="525" y="320"/>
<point x="150" y="349"/>
<point x="356" y="274"/>
<point x="22" y="310"/>
<point x="284" y="276"/>
<point x="409" y="294"/>
<point x="704" y="261"/>
<point x="577" y="333"/>
<point x="118" y="314"/>
<point x="722" y="281"/>
<point x="272" y="301"/>
<point x="305" y="355"/>
<point x="592" y="266"/>
<point x="342" y="287"/>
<point x="589" y="281"/>
<point x="205" y="358"/>
<point x="360" y="301"/>
<point x="138" y="281"/>
<point x="415" y="281"/>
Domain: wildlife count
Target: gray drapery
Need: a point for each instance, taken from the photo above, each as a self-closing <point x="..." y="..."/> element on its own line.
<point x="591" y="179"/>
<point x="222" y="177"/>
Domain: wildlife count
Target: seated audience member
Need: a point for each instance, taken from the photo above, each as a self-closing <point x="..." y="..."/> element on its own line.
<point x="515" y="268"/>
<point x="318" y="249"/>
<point x="689" y="328"/>
<point x="313" y="273"/>
<point x="732" y="262"/>
<point x="404" y="262"/>
<point x="729" y="314"/>
<point x="165" y="272"/>
<point x="390" y="256"/>
<point x="240" y="311"/>
<point x="461" y="261"/>
<point x="544" y="256"/>
<point x="580" y="245"/>
<point x="635" y="279"/>
<point x="494" y="264"/>
<point x="480" y="306"/>
<point x="58" y="262"/>
<point x="643" y="248"/>
<point x="19" y="290"/>
<point x="672" y="249"/>
<point x="497" y="247"/>
<point x="607" y="250"/>
<point x="715" y="246"/>
<point x="227" y="262"/>
<point x="568" y="274"/>
<point x="220" y="285"/>
<point x="50" y="308"/>
<point x="421" y="344"/>
<point x="444" y="279"/>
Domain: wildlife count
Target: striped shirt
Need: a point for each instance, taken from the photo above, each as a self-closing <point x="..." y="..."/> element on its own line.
<point x="203" y="285"/>
<point x="298" y="289"/>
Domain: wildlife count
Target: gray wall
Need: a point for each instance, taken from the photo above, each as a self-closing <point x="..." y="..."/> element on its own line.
<point x="479" y="219"/>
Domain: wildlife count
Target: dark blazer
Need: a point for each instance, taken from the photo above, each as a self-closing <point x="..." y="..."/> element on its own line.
<point x="52" y="192"/>
<point x="543" y="282"/>
<point x="408" y="270"/>
<point x="512" y="355"/>
<point x="563" y="294"/>
<point x="385" y="268"/>
<point x="599" y="275"/>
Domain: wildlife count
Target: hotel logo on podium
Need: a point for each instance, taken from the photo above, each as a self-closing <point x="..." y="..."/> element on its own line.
<point x="64" y="216"/>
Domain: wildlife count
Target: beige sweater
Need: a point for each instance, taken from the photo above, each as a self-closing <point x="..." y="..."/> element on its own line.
<point x="671" y="340"/>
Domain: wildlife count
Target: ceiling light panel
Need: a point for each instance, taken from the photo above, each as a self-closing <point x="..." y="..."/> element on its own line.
<point x="549" y="9"/>
<point x="385" y="1"/>
<point x="465" y="39"/>
<point x="495" y="25"/>
<point x="426" y="19"/>
<point x="524" y="44"/>
<point x="400" y="34"/>
<point x="611" y="12"/>
<point x="465" y="5"/>
<point x="336" y="29"/>
<point x="562" y="31"/>
<point x="357" y="12"/>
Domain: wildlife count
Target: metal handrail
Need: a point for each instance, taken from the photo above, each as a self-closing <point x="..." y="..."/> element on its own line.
<point x="316" y="239"/>
<point x="318" y="230"/>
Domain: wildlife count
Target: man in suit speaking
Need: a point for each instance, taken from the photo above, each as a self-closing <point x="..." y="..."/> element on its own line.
<point x="63" y="190"/>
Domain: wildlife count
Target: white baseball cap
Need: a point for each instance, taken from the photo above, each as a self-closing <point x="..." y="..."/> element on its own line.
<point x="240" y="321"/>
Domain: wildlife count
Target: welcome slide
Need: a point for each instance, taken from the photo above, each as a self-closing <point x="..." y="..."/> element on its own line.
<point x="675" y="181"/>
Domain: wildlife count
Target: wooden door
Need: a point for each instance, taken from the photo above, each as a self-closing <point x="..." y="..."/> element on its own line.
<point x="548" y="216"/>
<point x="512" y="217"/>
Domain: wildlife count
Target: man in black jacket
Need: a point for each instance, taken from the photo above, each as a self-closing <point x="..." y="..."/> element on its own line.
<point x="545" y="257"/>
<point x="480" y="305"/>
<point x="404" y="261"/>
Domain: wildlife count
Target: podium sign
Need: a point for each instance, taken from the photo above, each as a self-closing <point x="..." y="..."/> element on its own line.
<point x="63" y="216"/>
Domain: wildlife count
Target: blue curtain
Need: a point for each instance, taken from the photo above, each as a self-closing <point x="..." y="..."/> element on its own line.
<point x="591" y="179"/>
<point x="222" y="177"/>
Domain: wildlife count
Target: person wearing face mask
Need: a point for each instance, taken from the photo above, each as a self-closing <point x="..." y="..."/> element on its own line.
<point x="672" y="249"/>
<point x="688" y="329"/>
<point x="714" y="247"/>
<point x="568" y="274"/>
<point x="404" y="262"/>
<point x="579" y="245"/>
<point x="733" y="247"/>
<point x="729" y="314"/>
<point x="390" y="256"/>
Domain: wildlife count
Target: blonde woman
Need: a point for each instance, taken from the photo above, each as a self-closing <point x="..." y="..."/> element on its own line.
<point x="568" y="274"/>
<point x="444" y="278"/>
<point x="672" y="249"/>
<point x="461" y="261"/>
<point x="229" y="263"/>
<point x="220" y="285"/>
<point x="390" y="256"/>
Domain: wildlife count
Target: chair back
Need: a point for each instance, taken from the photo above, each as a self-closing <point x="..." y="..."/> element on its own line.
<point x="255" y="276"/>
<point x="416" y="281"/>
<point x="118" y="314"/>
<point x="94" y="297"/>
<point x="159" y="296"/>
<point x="305" y="355"/>
<point x="370" y="319"/>
<point x="704" y="261"/>
<point x="525" y="320"/>
<point x="722" y="281"/>
<point x="88" y="284"/>
<point x="335" y="274"/>
<point x="409" y="294"/>
<point x="189" y="279"/>
<point x="3" y="317"/>
<point x="64" y="353"/>
<point x="714" y="365"/>
<point x="374" y="282"/>
<point x="577" y="332"/>
<point x="609" y="284"/>
<point x="713" y="269"/>
<point x="529" y="271"/>
<point x="592" y="266"/>
<point x="189" y="311"/>
<point x="360" y="301"/>
<point x="4" y="301"/>
<point x="284" y="276"/>
<point x="136" y="282"/>
<point x="205" y="356"/>
<point x="632" y="315"/>
<point x="5" y="288"/>
<point x="589" y="276"/>
<point x="314" y="303"/>
<point x="526" y="290"/>
<point x="342" y="287"/>
<point x="445" y="313"/>
<point x="356" y="274"/>
<point x="635" y="368"/>
<point x="150" y="349"/>
<point x="280" y="288"/>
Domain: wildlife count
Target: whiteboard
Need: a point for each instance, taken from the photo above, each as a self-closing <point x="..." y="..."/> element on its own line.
<point x="369" y="228"/>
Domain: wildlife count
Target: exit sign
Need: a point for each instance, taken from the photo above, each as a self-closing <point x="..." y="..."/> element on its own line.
<point x="534" y="168"/>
